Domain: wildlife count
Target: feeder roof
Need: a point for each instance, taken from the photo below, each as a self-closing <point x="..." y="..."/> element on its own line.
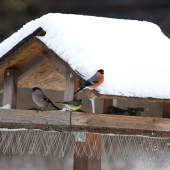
<point x="134" y="54"/>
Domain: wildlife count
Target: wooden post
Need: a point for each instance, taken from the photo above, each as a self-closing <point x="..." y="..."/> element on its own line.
<point x="107" y="102"/>
<point x="76" y="86"/>
<point x="166" y="110"/>
<point x="10" y="88"/>
<point x="69" y="87"/>
<point x="92" y="159"/>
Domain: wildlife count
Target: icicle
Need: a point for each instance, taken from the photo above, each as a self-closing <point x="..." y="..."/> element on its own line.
<point x="93" y="105"/>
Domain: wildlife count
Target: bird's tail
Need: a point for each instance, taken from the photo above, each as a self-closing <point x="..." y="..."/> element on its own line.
<point x="79" y="89"/>
<point x="55" y="106"/>
<point x="49" y="101"/>
<point x="61" y="102"/>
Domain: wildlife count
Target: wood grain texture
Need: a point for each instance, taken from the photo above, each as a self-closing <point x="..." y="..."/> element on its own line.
<point x="10" y="88"/>
<point x="107" y="103"/>
<point x="34" y="61"/>
<point x="76" y="86"/>
<point x="80" y="163"/>
<point x="56" y="61"/>
<point x="118" y="121"/>
<point x="166" y="110"/>
<point x="91" y="160"/>
<point x="69" y="87"/>
<point x="32" y="116"/>
<point x="94" y="162"/>
<point x="84" y="122"/>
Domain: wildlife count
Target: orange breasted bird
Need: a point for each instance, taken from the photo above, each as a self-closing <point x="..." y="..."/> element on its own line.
<point x="94" y="81"/>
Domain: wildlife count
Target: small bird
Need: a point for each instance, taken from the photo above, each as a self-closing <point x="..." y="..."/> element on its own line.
<point x="138" y="111"/>
<point x="72" y="105"/>
<point x="41" y="100"/>
<point x="167" y="142"/>
<point x="94" y="81"/>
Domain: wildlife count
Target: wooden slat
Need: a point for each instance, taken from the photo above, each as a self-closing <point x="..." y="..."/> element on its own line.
<point x="34" y="61"/>
<point x="76" y="86"/>
<point x="92" y="159"/>
<point x="10" y="88"/>
<point x="107" y="103"/>
<point x="69" y="87"/>
<point x="85" y="122"/>
<point x="166" y="110"/>
<point x="94" y="148"/>
<point x="32" y="116"/>
<point x="80" y="163"/>
<point x="114" y="121"/>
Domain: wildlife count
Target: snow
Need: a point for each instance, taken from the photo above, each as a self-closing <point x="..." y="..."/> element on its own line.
<point x="134" y="54"/>
<point x="7" y="106"/>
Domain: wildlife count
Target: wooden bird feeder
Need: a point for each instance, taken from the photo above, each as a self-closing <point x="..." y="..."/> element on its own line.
<point x="31" y="59"/>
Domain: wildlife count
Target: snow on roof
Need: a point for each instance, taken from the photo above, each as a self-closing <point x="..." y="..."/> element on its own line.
<point x="134" y="54"/>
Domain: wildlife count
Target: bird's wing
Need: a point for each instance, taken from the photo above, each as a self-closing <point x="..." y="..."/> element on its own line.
<point x="74" y="103"/>
<point x="94" y="79"/>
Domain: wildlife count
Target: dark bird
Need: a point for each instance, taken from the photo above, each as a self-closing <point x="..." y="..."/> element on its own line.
<point x="94" y="81"/>
<point x="138" y="111"/>
<point x="41" y="100"/>
<point x="72" y="105"/>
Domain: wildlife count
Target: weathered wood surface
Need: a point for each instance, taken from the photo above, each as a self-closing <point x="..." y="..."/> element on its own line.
<point x="10" y="88"/>
<point x="85" y="122"/>
<point x="32" y="116"/>
<point x="76" y="86"/>
<point x="107" y="103"/>
<point x="34" y="61"/>
<point x="92" y="159"/>
<point x="166" y="110"/>
<point x="119" y="121"/>
<point x="69" y="87"/>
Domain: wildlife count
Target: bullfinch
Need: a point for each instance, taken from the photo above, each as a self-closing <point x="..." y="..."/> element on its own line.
<point x="41" y="100"/>
<point x="94" y="81"/>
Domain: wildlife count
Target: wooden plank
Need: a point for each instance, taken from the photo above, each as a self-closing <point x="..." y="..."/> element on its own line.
<point x="69" y="87"/>
<point x="34" y="61"/>
<point x="76" y="86"/>
<point x="114" y="121"/>
<point x="92" y="159"/>
<point x="87" y="122"/>
<point x="80" y="158"/>
<point x="32" y="116"/>
<point x="166" y="110"/>
<point x="10" y="88"/>
<point x="94" y="151"/>
<point x="107" y="103"/>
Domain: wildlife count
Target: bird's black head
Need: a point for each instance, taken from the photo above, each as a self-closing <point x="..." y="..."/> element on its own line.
<point x="34" y="89"/>
<point x="101" y="71"/>
<point x="81" y="101"/>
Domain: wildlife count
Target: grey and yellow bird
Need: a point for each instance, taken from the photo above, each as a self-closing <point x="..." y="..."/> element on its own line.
<point x="96" y="80"/>
<point x="41" y="100"/>
<point x="72" y="105"/>
<point x="138" y="111"/>
<point x="167" y="142"/>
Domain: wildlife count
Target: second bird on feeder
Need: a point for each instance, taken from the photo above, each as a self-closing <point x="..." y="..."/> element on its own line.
<point x="94" y="81"/>
<point x="72" y="105"/>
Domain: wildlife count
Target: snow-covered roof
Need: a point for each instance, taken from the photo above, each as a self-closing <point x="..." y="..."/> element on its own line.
<point x="134" y="54"/>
